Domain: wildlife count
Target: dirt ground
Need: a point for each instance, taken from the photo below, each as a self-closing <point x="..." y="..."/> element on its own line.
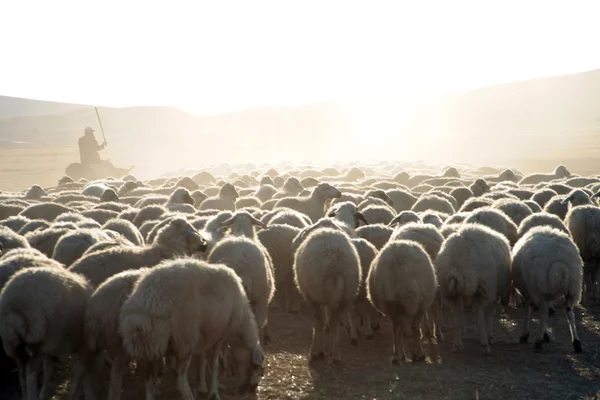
<point x="515" y="371"/>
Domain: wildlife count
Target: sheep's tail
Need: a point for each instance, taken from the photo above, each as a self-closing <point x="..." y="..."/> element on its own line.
<point x="144" y="336"/>
<point x="455" y="285"/>
<point x="334" y="286"/>
<point x="409" y="298"/>
<point x="13" y="329"/>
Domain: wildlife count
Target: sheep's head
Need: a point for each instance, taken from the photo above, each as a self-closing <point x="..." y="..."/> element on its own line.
<point x="228" y="190"/>
<point x="404" y="218"/>
<point x="562" y="172"/>
<point x="182" y="196"/>
<point x="451" y="172"/>
<point x="325" y="191"/>
<point x="65" y="180"/>
<point x="479" y="187"/>
<point x="250" y="367"/>
<point x="198" y="196"/>
<point x="402" y="177"/>
<point x="109" y="195"/>
<point x="348" y="213"/>
<point x="241" y="223"/>
<point x="178" y="236"/>
<point x="293" y="185"/>
<point x="380" y="194"/>
<point x="129" y="186"/>
<point x="35" y="193"/>
<point x="188" y="183"/>
<point x="508" y="175"/>
<point x="266" y="180"/>
<point x="432" y="219"/>
<point x="577" y="197"/>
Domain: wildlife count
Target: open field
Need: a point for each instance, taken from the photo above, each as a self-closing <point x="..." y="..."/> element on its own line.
<point x="514" y="371"/>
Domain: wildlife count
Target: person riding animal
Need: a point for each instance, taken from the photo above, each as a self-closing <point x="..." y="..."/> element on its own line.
<point x="89" y="147"/>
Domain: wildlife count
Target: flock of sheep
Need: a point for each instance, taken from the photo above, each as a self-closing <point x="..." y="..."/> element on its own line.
<point x="180" y="273"/>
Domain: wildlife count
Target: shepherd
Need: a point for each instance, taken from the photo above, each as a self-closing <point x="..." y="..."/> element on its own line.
<point x="89" y="148"/>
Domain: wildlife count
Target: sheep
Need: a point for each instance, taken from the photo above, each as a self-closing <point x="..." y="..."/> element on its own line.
<point x="101" y="324"/>
<point x="546" y="266"/>
<point x="191" y="307"/>
<point x="178" y="237"/>
<point x="378" y="214"/>
<point x="247" y="202"/>
<point x="361" y="306"/>
<point x="243" y="252"/>
<point x="516" y="210"/>
<point x="474" y="264"/>
<point x="32" y="226"/>
<point x="148" y="213"/>
<point x="71" y="245"/>
<point x="109" y="195"/>
<point x="557" y="206"/>
<point x="541" y="219"/>
<point x="430" y="238"/>
<point x="401" y="284"/>
<point x="560" y="172"/>
<point x="46" y="211"/>
<point x="100" y="216"/>
<point x="224" y="201"/>
<point x="265" y="192"/>
<point x="95" y="189"/>
<point x="35" y="193"/>
<point x="125" y="228"/>
<point x="314" y="205"/>
<point x="433" y="202"/>
<point x="14" y="223"/>
<point x="496" y="220"/>
<point x="45" y="240"/>
<point x="10" y="210"/>
<point x="583" y="222"/>
<point x="533" y="206"/>
<point x="376" y="234"/>
<point x="327" y="273"/>
<point x="479" y="187"/>
<point x="461" y="194"/>
<point x="433" y="218"/>
<point x="10" y="240"/>
<point x="277" y="239"/>
<point x="474" y="203"/>
<point x="181" y="201"/>
<point x="42" y="310"/>
<point x="286" y="216"/>
<point x="543" y="196"/>
<point x="347" y="216"/>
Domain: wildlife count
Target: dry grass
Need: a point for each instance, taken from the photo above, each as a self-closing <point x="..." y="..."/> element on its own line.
<point x="514" y="371"/>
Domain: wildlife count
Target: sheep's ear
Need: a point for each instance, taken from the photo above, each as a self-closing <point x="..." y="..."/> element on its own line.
<point x="258" y="223"/>
<point x="332" y="214"/>
<point x="394" y="221"/>
<point x="227" y="222"/>
<point x="362" y="218"/>
<point x="595" y="195"/>
<point x="566" y="200"/>
<point x="1" y="249"/>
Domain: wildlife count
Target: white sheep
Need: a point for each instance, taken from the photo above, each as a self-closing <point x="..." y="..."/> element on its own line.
<point x="559" y="172"/>
<point x="126" y="229"/>
<point x="516" y="210"/>
<point x="72" y="245"/>
<point x="242" y="252"/>
<point x="193" y="308"/>
<point x="327" y="273"/>
<point x="376" y="234"/>
<point x="545" y="267"/>
<point x="583" y="222"/>
<point x="474" y="264"/>
<point x="42" y="311"/>
<point x="496" y="220"/>
<point x="433" y="202"/>
<point x="101" y="325"/>
<point x="225" y="200"/>
<point x="10" y="240"/>
<point x="541" y="219"/>
<point x="401" y="284"/>
<point x="178" y="237"/>
<point x="314" y="205"/>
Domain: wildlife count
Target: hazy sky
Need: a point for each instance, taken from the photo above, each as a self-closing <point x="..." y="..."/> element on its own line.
<point x="203" y="55"/>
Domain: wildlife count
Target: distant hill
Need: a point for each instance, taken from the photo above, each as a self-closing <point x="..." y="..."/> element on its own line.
<point x="542" y="118"/>
<point x="11" y="107"/>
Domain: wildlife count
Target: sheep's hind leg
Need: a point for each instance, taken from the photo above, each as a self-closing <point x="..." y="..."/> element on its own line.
<point x="398" y="333"/>
<point x="353" y="326"/>
<point x="572" y="327"/>
<point x="118" y="367"/>
<point x="32" y="369"/>
<point x="418" y="353"/>
<point x="490" y="313"/>
<point x="458" y="319"/>
<point x="334" y="334"/>
<point x="525" y="335"/>
<point x="183" y="384"/>
<point x="481" y="324"/>
<point x="151" y="372"/>
<point x="214" y="379"/>
<point x="316" y="345"/>
<point x="543" y="335"/>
